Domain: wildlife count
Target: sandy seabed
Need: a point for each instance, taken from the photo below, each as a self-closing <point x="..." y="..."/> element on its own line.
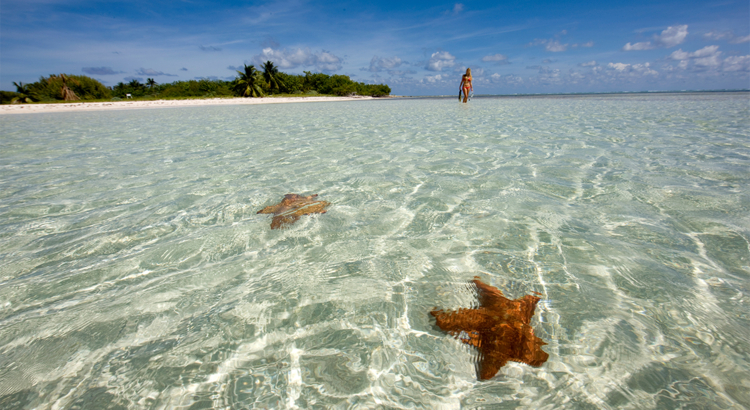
<point x="126" y="105"/>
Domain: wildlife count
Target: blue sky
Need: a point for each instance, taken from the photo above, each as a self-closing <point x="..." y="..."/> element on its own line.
<point x="417" y="48"/>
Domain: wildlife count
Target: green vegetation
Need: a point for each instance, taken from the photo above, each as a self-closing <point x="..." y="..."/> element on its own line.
<point x="179" y="89"/>
<point x="249" y="83"/>
<point x="271" y="75"/>
<point x="66" y="87"/>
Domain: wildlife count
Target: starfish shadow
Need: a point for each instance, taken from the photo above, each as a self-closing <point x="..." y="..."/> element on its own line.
<point x="499" y="327"/>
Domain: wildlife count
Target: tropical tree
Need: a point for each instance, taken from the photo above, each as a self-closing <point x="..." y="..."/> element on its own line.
<point x="248" y="84"/>
<point x="21" y="88"/>
<point x="292" y="83"/>
<point x="150" y="83"/>
<point x="135" y="84"/>
<point x="271" y="75"/>
<point x="65" y="91"/>
<point x="23" y="91"/>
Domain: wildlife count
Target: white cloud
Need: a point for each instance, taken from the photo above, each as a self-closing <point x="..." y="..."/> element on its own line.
<point x="152" y="72"/>
<point x="548" y="76"/>
<point x="537" y="42"/>
<point x="401" y="73"/>
<point x="432" y="79"/>
<point x="707" y="57"/>
<point x="382" y="64"/>
<point x="715" y="35"/>
<point x="670" y="37"/>
<point x="737" y="63"/>
<point x="705" y="52"/>
<point x="619" y="66"/>
<point x="326" y="61"/>
<point x="633" y="69"/>
<point x="709" y="61"/>
<point x="440" y="60"/>
<point x="587" y="44"/>
<point x="513" y="79"/>
<point x="679" y="55"/>
<point x="100" y="71"/>
<point x="646" y="45"/>
<point x="498" y="58"/>
<point x="509" y="79"/>
<point x="457" y="8"/>
<point x="726" y="35"/>
<point x="591" y="63"/>
<point x="285" y="59"/>
<point x="644" y="69"/>
<point x="549" y="71"/>
<point x="555" y="46"/>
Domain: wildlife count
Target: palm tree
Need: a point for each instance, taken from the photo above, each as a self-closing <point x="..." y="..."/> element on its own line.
<point x="248" y="83"/>
<point x="271" y="75"/>
<point x="150" y="83"/>
<point x="23" y="90"/>
<point x="135" y="84"/>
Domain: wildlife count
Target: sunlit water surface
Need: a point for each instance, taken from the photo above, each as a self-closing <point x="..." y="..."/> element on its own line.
<point x="136" y="273"/>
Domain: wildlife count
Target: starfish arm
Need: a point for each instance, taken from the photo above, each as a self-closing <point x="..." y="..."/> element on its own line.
<point x="533" y="355"/>
<point x="317" y="207"/>
<point x="527" y="306"/>
<point x="282" y="221"/>
<point x="486" y="292"/>
<point x="271" y="209"/>
<point x="488" y="367"/>
<point x="465" y="320"/>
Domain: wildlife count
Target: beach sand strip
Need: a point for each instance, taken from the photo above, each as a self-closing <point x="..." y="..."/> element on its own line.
<point x="127" y="105"/>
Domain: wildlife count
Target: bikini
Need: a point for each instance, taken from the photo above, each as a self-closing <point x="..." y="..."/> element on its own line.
<point x="467" y="83"/>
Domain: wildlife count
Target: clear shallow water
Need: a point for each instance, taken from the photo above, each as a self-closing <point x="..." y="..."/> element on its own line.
<point x="136" y="274"/>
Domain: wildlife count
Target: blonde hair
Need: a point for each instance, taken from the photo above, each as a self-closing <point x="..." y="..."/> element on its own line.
<point x="468" y="72"/>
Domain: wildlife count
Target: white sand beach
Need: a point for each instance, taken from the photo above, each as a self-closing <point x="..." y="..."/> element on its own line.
<point x="126" y="105"/>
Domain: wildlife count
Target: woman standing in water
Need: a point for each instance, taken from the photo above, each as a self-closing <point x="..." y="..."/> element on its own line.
<point x="466" y="84"/>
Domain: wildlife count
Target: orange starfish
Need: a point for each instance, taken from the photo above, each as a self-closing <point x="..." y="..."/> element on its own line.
<point x="292" y="207"/>
<point x="500" y="328"/>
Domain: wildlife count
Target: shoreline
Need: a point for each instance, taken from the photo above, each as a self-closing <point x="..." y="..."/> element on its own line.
<point x="129" y="105"/>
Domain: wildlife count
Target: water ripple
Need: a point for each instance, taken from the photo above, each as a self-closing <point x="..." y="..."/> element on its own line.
<point x="137" y="274"/>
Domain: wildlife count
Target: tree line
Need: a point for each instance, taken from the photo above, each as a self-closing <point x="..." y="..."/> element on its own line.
<point x="250" y="82"/>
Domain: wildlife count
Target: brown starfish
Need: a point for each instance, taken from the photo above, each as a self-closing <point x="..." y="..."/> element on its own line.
<point x="500" y="328"/>
<point x="292" y="207"/>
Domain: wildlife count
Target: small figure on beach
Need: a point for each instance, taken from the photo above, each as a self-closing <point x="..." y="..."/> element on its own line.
<point x="466" y="86"/>
<point x="292" y="207"/>
<point x="499" y="327"/>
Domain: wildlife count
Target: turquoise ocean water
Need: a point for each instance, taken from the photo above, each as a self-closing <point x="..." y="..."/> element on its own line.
<point x="135" y="272"/>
